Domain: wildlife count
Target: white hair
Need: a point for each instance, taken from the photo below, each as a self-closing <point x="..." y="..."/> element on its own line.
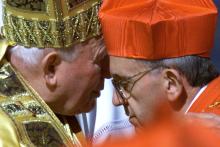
<point x="32" y="56"/>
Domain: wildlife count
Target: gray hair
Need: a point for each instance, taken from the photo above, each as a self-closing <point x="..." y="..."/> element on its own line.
<point x="32" y="56"/>
<point x="199" y="71"/>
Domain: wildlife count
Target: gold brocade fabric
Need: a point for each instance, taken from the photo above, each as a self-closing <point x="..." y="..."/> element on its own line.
<point x="8" y="135"/>
<point x="25" y="119"/>
<point x="50" y="23"/>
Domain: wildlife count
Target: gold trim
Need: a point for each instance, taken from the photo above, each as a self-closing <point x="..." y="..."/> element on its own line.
<point x="58" y="27"/>
<point x="214" y="105"/>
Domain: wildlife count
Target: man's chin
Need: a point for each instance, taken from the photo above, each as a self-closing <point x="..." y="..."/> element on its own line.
<point x="134" y="121"/>
<point x="84" y="109"/>
<point x="88" y="106"/>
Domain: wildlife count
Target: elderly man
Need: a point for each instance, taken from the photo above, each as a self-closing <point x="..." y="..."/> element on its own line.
<point x="159" y="52"/>
<point x="51" y="68"/>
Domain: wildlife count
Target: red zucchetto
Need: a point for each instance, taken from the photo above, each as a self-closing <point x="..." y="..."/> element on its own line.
<point x="157" y="29"/>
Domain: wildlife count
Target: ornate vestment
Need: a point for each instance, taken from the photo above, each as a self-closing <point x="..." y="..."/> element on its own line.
<point x="25" y="119"/>
<point x="209" y="100"/>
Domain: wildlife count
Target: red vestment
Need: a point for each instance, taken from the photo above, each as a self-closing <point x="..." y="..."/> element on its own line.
<point x="209" y="100"/>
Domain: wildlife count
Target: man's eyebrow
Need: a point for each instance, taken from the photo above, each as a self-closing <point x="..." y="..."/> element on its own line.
<point x="116" y="76"/>
<point x="119" y="77"/>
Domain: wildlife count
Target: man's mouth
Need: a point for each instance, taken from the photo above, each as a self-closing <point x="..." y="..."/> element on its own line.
<point x="97" y="92"/>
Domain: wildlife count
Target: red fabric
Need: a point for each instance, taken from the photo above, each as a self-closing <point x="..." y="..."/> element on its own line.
<point x="209" y="100"/>
<point x="156" y="29"/>
<point x="168" y="131"/>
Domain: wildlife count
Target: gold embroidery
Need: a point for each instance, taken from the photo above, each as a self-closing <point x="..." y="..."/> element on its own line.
<point x="73" y="3"/>
<point x="33" y="5"/>
<point x="216" y="104"/>
<point x="58" y="27"/>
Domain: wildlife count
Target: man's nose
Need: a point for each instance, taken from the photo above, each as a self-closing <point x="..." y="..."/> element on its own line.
<point x="117" y="100"/>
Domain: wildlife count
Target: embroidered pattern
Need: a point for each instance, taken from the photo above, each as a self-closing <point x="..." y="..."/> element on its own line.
<point x="13" y="108"/>
<point x="58" y="31"/>
<point x="33" y="5"/>
<point x="7" y="77"/>
<point x="216" y="104"/>
<point x="73" y="3"/>
<point x="43" y="134"/>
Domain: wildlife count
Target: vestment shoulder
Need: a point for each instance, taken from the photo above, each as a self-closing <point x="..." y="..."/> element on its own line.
<point x="8" y="134"/>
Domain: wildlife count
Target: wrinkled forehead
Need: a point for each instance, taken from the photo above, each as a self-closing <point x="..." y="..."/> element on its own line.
<point x="93" y="48"/>
<point x="126" y="67"/>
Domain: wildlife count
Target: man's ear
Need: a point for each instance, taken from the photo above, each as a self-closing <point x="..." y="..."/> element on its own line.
<point x="50" y="64"/>
<point x="173" y="84"/>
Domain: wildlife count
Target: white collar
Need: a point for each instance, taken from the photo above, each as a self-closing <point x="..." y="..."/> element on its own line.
<point x="196" y="97"/>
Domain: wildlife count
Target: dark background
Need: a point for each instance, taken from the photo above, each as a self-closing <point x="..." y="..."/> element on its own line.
<point x="216" y="50"/>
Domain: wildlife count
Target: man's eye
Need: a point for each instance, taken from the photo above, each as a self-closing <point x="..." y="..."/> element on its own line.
<point x="125" y="85"/>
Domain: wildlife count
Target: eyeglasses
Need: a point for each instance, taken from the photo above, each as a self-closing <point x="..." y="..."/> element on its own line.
<point x="124" y="86"/>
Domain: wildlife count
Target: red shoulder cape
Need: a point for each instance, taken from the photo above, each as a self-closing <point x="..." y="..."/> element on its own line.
<point x="209" y="100"/>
